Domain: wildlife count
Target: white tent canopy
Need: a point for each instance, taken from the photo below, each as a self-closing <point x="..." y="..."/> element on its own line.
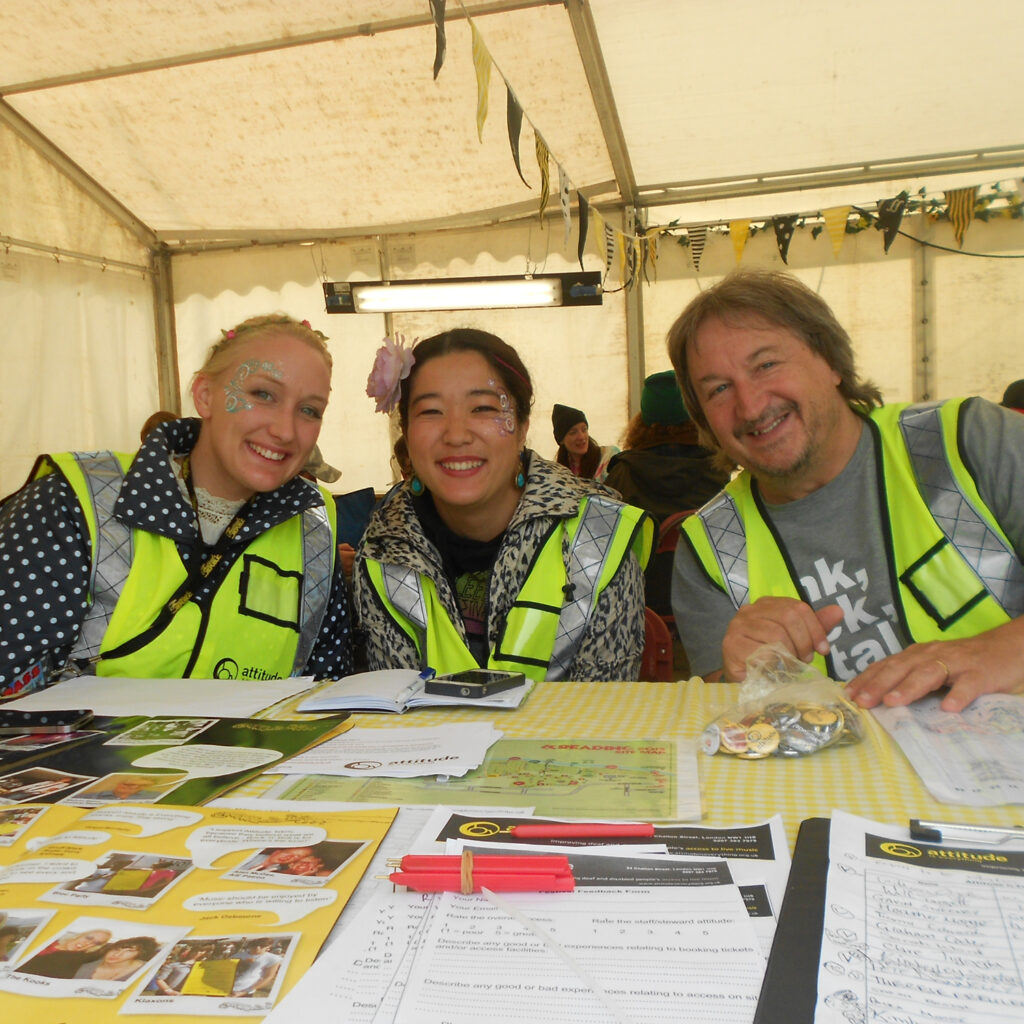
<point x="168" y="170"/>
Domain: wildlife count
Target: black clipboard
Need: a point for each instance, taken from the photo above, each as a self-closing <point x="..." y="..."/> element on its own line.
<point x="789" y="992"/>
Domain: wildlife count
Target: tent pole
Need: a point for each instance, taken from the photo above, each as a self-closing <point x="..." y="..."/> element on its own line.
<point x="168" y="381"/>
<point x="635" y="354"/>
<point x="923" y="268"/>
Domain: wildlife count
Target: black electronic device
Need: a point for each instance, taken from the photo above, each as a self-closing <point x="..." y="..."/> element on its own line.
<point x="474" y="682"/>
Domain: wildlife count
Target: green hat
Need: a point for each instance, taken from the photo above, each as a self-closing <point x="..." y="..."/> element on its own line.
<point x="661" y="401"/>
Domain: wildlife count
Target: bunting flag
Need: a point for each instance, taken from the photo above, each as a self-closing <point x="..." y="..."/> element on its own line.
<point x="960" y="203"/>
<point x="698" y="239"/>
<point x="621" y="252"/>
<point x="890" y="214"/>
<point x="651" y="250"/>
<point x="514" y="115"/>
<point x="631" y="258"/>
<point x="598" y="232"/>
<point x="545" y="173"/>
<point x="440" y="44"/>
<point x="609" y="248"/>
<point x="835" y="224"/>
<point x="739" y="232"/>
<point x="784" y="234"/>
<point x="564" y="187"/>
<point x="584" y="208"/>
<point x="482" y="63"/>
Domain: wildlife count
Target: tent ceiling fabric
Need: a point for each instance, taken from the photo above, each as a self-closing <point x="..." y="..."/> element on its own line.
<point x="352" y="135"/>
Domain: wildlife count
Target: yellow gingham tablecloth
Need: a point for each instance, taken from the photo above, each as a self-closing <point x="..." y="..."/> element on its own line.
<point x="871" y="778"/>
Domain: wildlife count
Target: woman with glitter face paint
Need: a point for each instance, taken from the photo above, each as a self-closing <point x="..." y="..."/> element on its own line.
<point x="490" y="556"/>
<point x="204" y="554"/>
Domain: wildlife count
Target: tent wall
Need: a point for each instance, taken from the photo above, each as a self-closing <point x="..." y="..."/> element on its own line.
<point x="78" y="338"/>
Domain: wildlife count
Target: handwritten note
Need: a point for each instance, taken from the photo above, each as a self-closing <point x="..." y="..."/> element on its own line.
<point x="919" y="932"/>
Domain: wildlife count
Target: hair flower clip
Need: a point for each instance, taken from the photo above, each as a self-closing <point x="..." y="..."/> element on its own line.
<point x="393" y="363"/>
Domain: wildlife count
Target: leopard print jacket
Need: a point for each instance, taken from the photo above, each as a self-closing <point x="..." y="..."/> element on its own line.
<point x="612" y="645"/>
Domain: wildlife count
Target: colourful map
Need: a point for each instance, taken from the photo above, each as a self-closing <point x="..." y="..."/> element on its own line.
<point x="559" y="778"/>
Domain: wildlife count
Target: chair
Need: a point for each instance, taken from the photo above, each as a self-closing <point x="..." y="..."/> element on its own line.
<point x="668" y="532"/>
<point x="659" y="568"/>
<point x="656" y="665"/>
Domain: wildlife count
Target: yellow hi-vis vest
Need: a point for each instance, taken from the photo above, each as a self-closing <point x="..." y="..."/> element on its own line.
<point x="261" y="623"/>
<point x="549" y="616"/>
<point x="955" y="572"/>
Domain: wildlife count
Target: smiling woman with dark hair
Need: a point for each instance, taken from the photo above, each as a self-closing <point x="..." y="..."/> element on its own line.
<point x="490" y="556"/>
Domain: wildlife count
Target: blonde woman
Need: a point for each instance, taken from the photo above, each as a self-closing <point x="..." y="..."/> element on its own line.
<point x="205" y="554"/>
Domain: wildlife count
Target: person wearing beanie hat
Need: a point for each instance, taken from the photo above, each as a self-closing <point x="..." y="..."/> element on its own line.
<point x="1013" y="396"/>
<point x="577" y="450"/>
<point x="661" y="401"/>
<point x="663" y="469"/>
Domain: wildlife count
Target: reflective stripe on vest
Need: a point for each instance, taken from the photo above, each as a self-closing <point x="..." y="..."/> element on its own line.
<point x="968" y="580"/>
<point x="981" y="546"/>
<point x="113" y="550"/>
<point x="543" y="630"/>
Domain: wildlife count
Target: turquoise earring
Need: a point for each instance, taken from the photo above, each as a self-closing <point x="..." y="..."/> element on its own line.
<point x="520" y="480"/>
<point x="416" y="486"/>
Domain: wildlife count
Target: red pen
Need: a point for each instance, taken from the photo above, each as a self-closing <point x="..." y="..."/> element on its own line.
<point x="449" y="881"/>
<point x="466" y="873"/>
<point x="544" y="864"/>
<point x="581" y="830"/>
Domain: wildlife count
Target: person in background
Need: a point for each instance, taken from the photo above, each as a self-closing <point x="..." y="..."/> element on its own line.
<point x="1013" y="396"/>
<point x="154" y="420"/>
<point x="884" y="542"/>
<point x="577" y="450"/>
<point x="663" y="469"/>
<point x="223" y="554"/>
<point x="480" y="558"/>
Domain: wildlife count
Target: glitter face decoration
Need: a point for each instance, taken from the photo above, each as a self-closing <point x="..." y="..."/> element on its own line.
<point x="236" y="400"/>
<point x="506" y="419"/>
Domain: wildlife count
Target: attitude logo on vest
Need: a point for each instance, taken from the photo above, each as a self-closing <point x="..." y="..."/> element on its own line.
<point x="228" y="668"/>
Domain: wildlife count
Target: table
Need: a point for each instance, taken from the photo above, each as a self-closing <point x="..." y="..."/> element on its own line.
<point x="872" y="779"/>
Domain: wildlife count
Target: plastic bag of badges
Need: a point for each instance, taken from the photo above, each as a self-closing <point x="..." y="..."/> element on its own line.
<point x="786" y="708"/>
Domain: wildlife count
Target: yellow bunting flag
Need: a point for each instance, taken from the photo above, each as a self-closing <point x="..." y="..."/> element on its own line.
<point x="739" y="232"/>
<point x="653" y="234"/>
<point x="545" y="173"/>
<point x="835" y="224"/>
<point x="960" y="202"/>
<point x="482" y="63"/>
<point x="598" y="233"/>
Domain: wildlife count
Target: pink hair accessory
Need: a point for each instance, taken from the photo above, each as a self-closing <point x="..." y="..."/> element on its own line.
<point x="305" y="323"/>
<point x="229" y="334"/>
<point x="393" y="363"/>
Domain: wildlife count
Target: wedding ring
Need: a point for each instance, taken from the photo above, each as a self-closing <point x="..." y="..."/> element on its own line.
<point x="945" y="678"/>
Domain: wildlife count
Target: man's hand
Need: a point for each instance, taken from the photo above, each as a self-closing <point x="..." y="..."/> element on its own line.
<point x="991" y="662"/>
<point x="776" y="620"/>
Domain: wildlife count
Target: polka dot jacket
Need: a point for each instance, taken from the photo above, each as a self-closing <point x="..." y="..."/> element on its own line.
<point x="45" y="557"/>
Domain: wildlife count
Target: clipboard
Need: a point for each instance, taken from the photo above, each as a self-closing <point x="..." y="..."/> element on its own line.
<point x="790" y="988"/>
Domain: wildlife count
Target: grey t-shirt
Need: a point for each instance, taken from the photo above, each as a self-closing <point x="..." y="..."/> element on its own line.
<point x="833" y="539"/>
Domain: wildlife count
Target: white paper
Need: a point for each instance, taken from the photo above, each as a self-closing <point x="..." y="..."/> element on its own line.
<point x="920" y="932"/>
<point x="974" y="757"/>
<point x="111" y="695"/>
<point x="713" y="967"/>
<point x="396" y="753"/>
<point x="655" y="955"/>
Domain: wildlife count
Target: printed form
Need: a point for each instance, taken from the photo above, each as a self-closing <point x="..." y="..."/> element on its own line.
<point x="920" y="933"/>
<point x="655" y="954"/>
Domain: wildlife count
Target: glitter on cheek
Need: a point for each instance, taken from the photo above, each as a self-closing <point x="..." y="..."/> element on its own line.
<point x="236" y="400"/>
<point x="506" y="419"/>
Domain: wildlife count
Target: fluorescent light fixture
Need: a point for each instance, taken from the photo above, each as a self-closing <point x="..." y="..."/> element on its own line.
<point x="582" y="289"/>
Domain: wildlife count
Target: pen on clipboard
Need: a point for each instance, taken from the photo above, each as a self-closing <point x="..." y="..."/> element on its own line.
<point x="468" y="874"/>
<point x="947" y="831"/>
<point x="582" y="830"/>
